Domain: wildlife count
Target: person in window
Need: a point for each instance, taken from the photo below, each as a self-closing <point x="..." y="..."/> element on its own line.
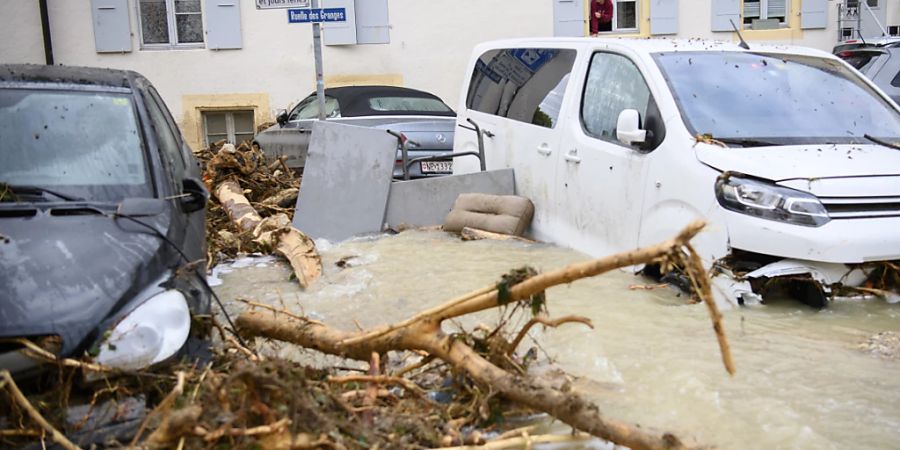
<point x="601" y="16"/>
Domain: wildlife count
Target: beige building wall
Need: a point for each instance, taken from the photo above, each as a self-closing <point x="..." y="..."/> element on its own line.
<point x="21" y="38"/>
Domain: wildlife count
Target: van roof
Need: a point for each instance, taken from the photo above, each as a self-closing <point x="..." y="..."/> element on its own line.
<point x="657" y="45"/>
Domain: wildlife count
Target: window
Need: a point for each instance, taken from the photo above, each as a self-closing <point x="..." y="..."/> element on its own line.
<point x="855" y="3"/>
<point x="523" y="84"/>
<point x="894" y="30"/>
<point x="170" y="22"/>
<point x="626" y="15"/>
<point x="308" y="109"/>
<point x="169" y="147"/>
<point x="232" y="126"/>
<point x="407" y="104"/>
<point x="765" y="14"/>
<point x="613" y="84"/>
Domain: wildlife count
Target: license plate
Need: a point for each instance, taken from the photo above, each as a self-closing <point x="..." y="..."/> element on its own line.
<point x="437" y="166"/>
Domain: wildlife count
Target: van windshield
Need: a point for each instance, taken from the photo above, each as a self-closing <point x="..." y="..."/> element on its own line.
<point x="757" y="99"/>
<point x="83" y="144"/>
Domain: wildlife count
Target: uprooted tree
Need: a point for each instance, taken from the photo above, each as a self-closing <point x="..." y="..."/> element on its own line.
<point x="423" y="332"/>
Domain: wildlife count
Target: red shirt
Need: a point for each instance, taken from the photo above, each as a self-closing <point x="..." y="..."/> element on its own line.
<point x="606" y="14"/>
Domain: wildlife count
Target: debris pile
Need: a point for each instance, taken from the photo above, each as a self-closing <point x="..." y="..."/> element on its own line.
<point x="269" y="186"/>
<point x="253" y="209"/>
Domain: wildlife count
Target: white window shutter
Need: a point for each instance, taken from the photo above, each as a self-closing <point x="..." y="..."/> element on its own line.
<point x="340" y="33"/>
<point x="814" y="14"/>
<point x="372" y="22"/>
<point x="112" y="26"/>
<point x="223" y="24"/>
<point x="568" y="18"/>
<point x="723" y="12"/>
<point x="663" y="16"/>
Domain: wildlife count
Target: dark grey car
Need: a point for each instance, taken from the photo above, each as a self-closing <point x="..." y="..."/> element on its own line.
<point x="425" y="120"/>
<point x="880" y="64"/>
<point x="101" y="213"/>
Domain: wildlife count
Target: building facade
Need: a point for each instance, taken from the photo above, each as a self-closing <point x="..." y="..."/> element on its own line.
<point x="225" y="66"/>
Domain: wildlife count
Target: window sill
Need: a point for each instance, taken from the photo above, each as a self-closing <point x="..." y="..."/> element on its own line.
<point x="158" y="47"/>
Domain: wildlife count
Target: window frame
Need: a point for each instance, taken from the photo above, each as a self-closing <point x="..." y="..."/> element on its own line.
<point x="230" y="132"/>
<point x="764" y="11"/>
<point x="651" y="101"/>
<point x="172" y="27"/>
<point x="615" y="21"/>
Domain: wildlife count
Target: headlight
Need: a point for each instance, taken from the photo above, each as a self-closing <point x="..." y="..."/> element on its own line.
<point x="151" y="333"/>
<point x="768" y="201"/>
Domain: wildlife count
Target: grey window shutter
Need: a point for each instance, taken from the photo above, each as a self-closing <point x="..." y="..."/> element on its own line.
<point x="568" y="18"/>
<point x="663" y="16"/>
<point x="340" y="33"/>
<point x="372" y="22"/>
<point x="723" y="11"/>
<point x="112" y="26"/>
<point x="814" y="14"/>
<point x="223" y="24"/>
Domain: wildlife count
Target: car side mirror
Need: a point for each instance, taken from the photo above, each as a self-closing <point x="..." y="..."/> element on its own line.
<point x="282" y="117"/>
<point x="628" y="128"/>
<point x="194" y="196"/>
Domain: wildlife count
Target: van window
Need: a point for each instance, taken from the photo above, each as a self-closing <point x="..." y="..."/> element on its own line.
<point x="523" y="84"/>
<point x="613" y="84"/>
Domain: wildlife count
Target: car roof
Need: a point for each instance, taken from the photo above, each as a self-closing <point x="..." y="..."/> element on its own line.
<point x="656" y="45"/>
<point x="353" y="100"/>
<point x="67" y="75"/>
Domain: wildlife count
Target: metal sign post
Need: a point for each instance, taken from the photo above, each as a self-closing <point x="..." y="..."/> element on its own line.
<point x="317" y="51"/>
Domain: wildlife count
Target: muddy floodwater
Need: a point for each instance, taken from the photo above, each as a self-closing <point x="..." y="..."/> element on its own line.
<point x="802" y="381"/>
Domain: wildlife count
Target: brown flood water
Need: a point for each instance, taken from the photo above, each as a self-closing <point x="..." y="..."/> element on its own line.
<point x="652" y="359"/>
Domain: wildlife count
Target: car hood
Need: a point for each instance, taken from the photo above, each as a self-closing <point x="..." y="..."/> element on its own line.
<point x="802" y="161"/>
<point x="64" y="274"/>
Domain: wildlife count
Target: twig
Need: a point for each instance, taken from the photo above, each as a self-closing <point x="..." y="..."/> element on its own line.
<point x="378" y="379"/>
<point x="278" y="310"/>
<point x="547" y="322"/>
<point x="424" y="362"/>
<point x="522" y="442"/>
<point x="694" y="267"/>
<point x="23" y="402"/>
<point x="165" y="404"/>
<point x="430" y="312"/>
<point x="50" y="357"/>
<point x="253" y="431"/>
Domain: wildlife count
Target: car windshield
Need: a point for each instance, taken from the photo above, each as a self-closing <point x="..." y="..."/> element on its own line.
<point x="309" y="109"/>
<point x="408" y="104"/>
<point x="82" y="144"/>
<point x="780" y="99"/>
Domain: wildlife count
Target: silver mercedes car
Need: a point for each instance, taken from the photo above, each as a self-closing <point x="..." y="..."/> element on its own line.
<point x="420" y="119"/>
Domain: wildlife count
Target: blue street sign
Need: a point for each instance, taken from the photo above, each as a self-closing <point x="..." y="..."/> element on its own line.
<point x="317" y="15"/>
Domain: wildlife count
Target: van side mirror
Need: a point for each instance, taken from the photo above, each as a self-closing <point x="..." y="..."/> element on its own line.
<point x="282" y="117"/>
<point x="628" y="128"/>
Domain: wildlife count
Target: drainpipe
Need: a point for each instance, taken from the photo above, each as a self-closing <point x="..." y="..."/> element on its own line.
<point x="45" y="27"/>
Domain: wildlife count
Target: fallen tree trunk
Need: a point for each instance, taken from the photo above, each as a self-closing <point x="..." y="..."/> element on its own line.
<point x="273" y="232"/>
<point x="423" y="332"/>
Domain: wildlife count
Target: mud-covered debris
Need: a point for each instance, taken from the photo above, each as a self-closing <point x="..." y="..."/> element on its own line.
<point x="885" y="344"/>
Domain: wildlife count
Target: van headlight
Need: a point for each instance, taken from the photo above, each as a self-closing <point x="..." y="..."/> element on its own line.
<point x="768" y="201"/>
<point x="154" y="331"/>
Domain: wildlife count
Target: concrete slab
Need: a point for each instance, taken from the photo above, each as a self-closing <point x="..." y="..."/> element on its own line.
<point x="346" y="181"/>
<point x="427" y="201"/>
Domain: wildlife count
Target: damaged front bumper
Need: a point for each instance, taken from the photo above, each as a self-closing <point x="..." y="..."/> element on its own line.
<point x="741" y="280"/>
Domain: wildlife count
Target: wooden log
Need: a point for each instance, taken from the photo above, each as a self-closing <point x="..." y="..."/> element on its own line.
<point x="474" y="234"/>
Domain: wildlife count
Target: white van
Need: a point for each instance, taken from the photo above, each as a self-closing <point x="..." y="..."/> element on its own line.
<point x="787" y="152"/>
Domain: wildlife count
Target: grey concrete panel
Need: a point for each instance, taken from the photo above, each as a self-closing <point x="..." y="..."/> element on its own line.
<point x="427" y="201"/>
<point x="346" y="181"/>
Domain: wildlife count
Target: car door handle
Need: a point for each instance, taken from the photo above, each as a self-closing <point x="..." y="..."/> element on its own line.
<point x="572" y="157"/>
<point x="544" y="150"/>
